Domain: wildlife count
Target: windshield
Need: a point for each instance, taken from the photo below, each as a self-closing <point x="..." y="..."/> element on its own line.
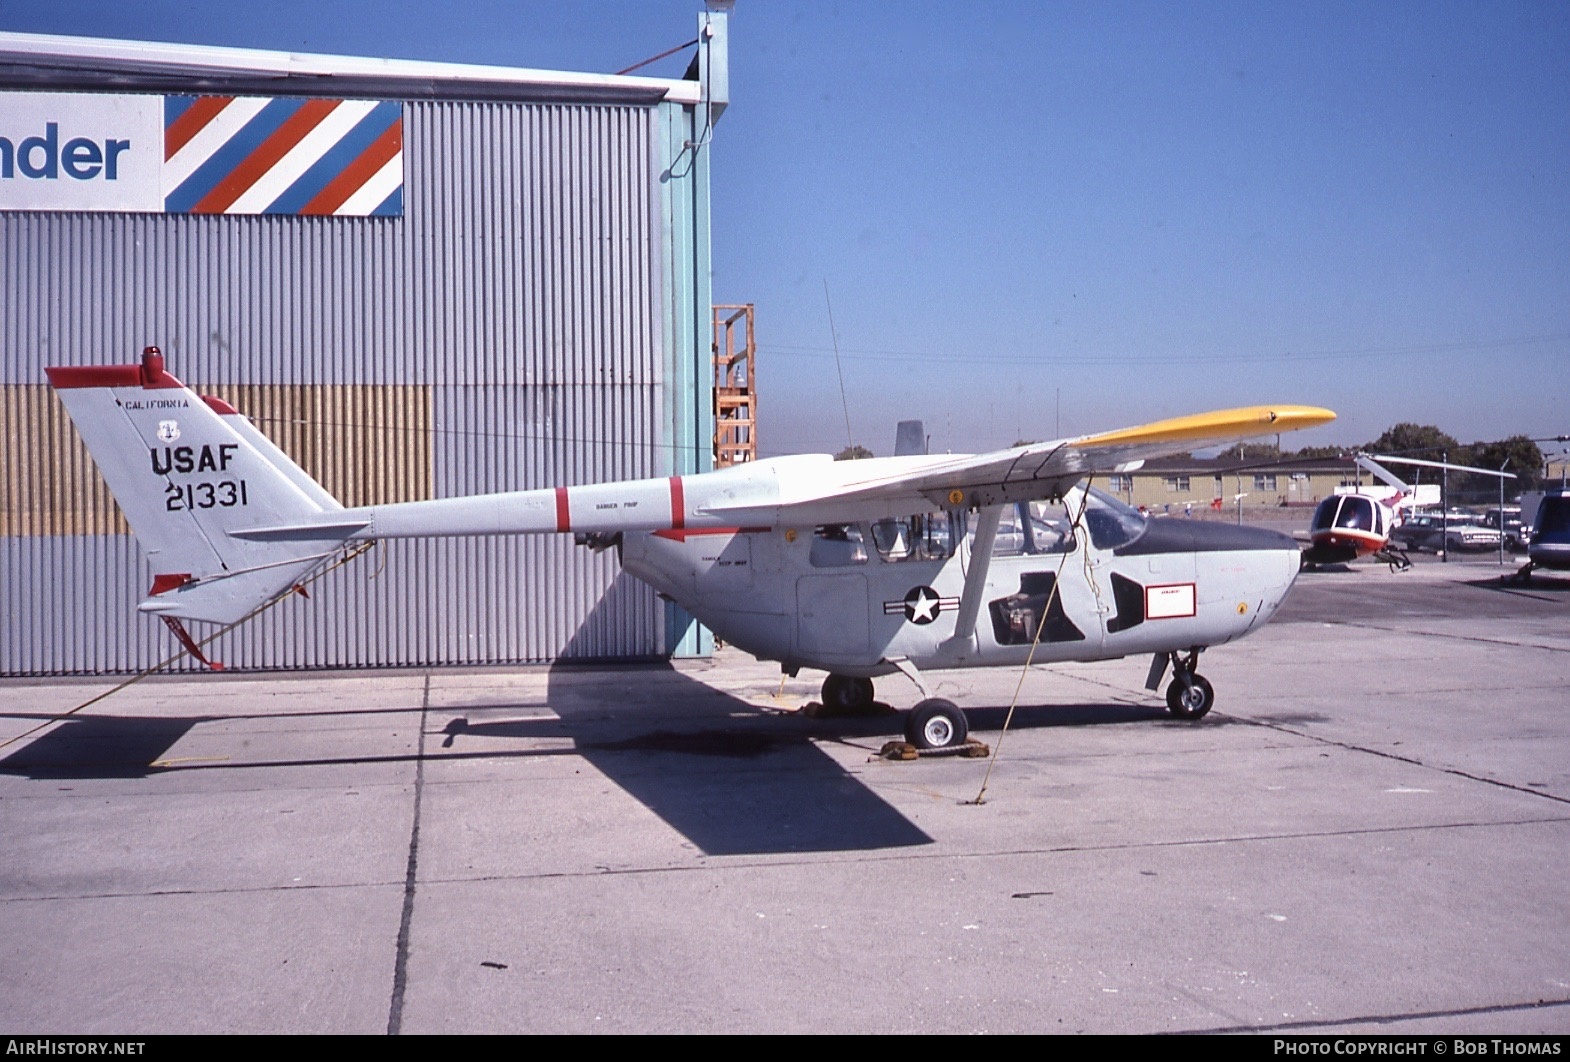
<point x="1553" y="516"/>
<point x="1109" y="521"/>
<point x="1325" y="514"/>
<point x="1357" y="514"/>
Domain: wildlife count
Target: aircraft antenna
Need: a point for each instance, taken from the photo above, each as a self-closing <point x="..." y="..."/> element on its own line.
<point x="838" y="365"/>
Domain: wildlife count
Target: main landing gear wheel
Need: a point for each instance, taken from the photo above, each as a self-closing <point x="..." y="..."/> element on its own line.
<point x="936" y="724"/>
<point x="1191" y="701"/>
<point x="844" y="695"/>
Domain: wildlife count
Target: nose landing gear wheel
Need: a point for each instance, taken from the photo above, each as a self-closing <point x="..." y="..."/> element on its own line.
<point x="1191" y="701"/>
<point x="844" y="695"/>
<point x="936" y="724"/>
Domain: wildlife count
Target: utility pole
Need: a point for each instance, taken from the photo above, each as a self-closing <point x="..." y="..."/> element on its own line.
<point x="1502" y="511"/>
<point x="1444" y="508"/>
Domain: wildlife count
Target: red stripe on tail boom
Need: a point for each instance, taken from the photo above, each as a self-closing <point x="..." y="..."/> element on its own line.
<point x="678" y="504"/>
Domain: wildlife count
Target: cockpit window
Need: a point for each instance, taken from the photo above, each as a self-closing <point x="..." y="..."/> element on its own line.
<point x="929" y="536"/>
<point x="837" y="546"/>
<point x="1048" y="526"/>
<point x="1028" y="528"/>
<point x="1110" y="522"/>
<point x="1357" y="514"/>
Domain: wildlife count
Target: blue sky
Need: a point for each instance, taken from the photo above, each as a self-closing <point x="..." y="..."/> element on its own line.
<point x="1049" y="218"/>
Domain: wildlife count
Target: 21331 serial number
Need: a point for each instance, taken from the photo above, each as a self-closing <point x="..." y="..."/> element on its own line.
<point x="224" y="494"/>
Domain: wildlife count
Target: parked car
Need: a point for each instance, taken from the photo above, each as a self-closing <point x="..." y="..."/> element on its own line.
<point x="1508" y="520"/>
<point x="1412" y="532"/>
<point x="1429" y="531"/>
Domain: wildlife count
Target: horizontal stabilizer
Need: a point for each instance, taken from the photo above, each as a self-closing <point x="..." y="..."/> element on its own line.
<point x="230" y="597"/>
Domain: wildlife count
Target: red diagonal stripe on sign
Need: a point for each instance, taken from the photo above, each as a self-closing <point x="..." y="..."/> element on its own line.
<point x="193" y="121"/>
<point x="265" y="157"/>
<point x="362" y="169"/>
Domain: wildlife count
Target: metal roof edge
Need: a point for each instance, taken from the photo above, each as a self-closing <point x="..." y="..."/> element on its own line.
<point x="1229" y="465"/>
<point x="39" y="60"/>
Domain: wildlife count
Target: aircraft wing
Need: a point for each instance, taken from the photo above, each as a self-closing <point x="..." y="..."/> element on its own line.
<point x="1038" y="470"/>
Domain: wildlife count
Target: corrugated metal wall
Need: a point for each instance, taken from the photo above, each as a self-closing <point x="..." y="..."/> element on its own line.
<point x="508" y="332"/>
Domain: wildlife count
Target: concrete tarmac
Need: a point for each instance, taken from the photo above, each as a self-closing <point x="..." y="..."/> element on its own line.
<point x="1369" y="834"/>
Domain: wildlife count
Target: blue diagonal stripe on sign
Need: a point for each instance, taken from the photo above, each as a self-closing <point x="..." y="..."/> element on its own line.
<point x="235" y="151"/>
<point x="174" y="106"/>
<point x="392" y="206"/>
<point x="338" y="158"/>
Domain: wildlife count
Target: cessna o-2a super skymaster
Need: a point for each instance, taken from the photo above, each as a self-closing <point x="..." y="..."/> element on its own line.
<point x="859" y="568"/>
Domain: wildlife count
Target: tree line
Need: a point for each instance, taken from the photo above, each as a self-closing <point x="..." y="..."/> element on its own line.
<point x="1518" y="455"/>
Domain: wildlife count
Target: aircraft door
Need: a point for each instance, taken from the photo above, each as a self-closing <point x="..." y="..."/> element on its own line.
<point x="832" y="614"/>
<point x="1123" y="592"/>
<point x="832" y="617"/>
<point x="1043" y="578"/>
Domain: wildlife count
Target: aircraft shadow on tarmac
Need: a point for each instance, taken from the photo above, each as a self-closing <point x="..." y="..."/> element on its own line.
<point x="730" y="777"/>
<point x="673" y="743"/>
<point x="96" y="746"/>
<point x="1542" y="588"/>
<point x="792" y="797"/>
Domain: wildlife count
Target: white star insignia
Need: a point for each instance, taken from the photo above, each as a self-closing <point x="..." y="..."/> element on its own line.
<point x="923" y="605"/>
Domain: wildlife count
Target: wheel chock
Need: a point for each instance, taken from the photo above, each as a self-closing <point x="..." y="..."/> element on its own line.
<point x="904" y="750"/>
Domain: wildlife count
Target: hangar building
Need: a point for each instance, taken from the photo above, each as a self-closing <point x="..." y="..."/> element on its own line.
<point x="420" y="279"/>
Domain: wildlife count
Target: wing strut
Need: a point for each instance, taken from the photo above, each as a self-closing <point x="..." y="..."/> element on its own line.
<point x="964" y="637"/>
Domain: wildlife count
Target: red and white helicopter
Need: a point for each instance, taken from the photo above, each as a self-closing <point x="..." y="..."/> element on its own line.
<point x="896" y="565"/>
<point x="1357" y="521"/>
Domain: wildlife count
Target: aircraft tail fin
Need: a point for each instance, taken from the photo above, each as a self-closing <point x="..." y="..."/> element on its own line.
<point x="910" y="438"/>
<point x="191" y="474"/>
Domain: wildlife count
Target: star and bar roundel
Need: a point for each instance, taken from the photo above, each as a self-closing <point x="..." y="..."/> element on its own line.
<point x="259" y="155"/>
<point x="921" y="606"/>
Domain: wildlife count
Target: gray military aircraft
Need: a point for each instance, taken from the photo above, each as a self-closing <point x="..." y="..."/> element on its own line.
<point x="904" y="564"/>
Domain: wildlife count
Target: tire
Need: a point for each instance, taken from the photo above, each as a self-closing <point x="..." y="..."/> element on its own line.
<point x="936" y="724"/>
<point x="1191" y="702"/>
<point x="844" y="694"/>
